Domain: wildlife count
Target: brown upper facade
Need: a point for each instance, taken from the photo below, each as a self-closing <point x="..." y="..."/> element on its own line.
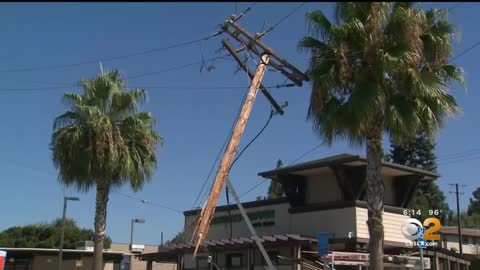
<point x="342" y="178"/>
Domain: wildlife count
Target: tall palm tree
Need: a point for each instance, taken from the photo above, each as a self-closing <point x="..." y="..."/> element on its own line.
<point x="104" y="141"/>
<point x="379" y="68"/>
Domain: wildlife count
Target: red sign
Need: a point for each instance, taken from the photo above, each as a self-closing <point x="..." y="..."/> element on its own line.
<point x="3" y="256"/>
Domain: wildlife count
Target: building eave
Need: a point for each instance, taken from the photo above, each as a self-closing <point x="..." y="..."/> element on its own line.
<point x="342" y="159"/>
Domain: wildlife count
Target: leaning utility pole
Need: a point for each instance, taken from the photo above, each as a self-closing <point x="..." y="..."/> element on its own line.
<point x="228" y="156"/>
<point x="459" y="224"/>
<point x="267" y="57"/>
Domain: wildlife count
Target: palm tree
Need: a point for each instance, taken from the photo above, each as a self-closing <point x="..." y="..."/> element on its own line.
<point x="104" y="141"/>
<point x="380" y="68"/>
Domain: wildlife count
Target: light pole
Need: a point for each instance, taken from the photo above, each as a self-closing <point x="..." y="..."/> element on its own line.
<point x="134" y="220"/>
<point x="62" y="236"/>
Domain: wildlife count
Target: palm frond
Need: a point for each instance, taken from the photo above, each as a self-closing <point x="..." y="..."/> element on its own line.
<point x="318" y="24"/>
<point x="312" y="44"/>
<point x="67" y="119"/>
<point x="452" y="72"/>
<point x="380" y="57"/>
<point x="103" y="139"/>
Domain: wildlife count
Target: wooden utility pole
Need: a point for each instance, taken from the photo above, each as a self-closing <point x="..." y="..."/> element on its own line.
<point x="459" y="223"/>
<point x="268" y="57"/>
<point x="208" y="210"/>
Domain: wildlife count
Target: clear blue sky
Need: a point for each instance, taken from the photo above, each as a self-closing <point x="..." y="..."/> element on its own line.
<point x="193" y="119"/>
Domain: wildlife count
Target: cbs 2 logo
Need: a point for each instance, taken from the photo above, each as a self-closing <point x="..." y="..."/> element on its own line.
<point x="413" y="229"/>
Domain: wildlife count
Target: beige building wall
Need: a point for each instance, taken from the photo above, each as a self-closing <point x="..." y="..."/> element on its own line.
<point x="340" y="222"/>
<point x="44" y="262"/>
<point x="392" y="225"/>
<point x="337" y="221"/>
<point x="142" y="265"/>
<point x="282" y="221"/>
<point x="451" y="241"/>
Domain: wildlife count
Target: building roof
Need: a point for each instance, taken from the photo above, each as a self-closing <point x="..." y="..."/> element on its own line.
<point x="348" y="160"/>
<point x="168" y="253"/>
<point x="465" y="231"/>
<point x="251" y="204"/>
<point x="53" y="250"/>
<point x="248" y="240"/>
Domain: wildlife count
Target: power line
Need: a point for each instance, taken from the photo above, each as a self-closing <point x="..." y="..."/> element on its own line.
<point x="218" y="156"/>
<point x="306" y="153"/>
<point x="284" y="18"/>
<point x="459" y="156"/>
<point x="455" y="6"/>
<point x="54" y="67"/>
<point x="239" y="155"/>
<point x="459" y="160"/>
<point x="254" y="138"/>
<point x="265" y="180"/>
<point x="147" y="202"/>
<point x="253" y="188"/>
<point x="175" y="68"/>
<point x="245" y="148"/>
<point x="226" y="87"/>
<point x="464" y="52"/>
<point x="467" y="152"/>
<point x="318" y="146"/>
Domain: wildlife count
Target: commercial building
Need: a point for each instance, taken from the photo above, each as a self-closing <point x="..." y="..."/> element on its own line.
<point x="138" y="250"/>
<point x="326" y="196"/>
<point x="470" y="240"/>
<point x="47" y="259"/>
<point x="115" y="258"/>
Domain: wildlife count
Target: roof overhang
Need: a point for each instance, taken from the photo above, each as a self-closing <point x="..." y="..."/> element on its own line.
<point x="348" y="160"/>
<point x="54" y="250"/>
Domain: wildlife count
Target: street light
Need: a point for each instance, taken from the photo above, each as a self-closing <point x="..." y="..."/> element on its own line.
<point x="60" y="254"/>
<point x="134" y="220"/>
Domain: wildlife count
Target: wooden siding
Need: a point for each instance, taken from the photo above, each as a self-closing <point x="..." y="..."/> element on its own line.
<point x="392" y="225"/>
<point x="389" y="191"/>
<point x="322" y="188"/>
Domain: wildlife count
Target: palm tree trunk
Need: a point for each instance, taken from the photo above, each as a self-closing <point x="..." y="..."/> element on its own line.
<point x="100" y="224"/>
<point x="375" y="192"/>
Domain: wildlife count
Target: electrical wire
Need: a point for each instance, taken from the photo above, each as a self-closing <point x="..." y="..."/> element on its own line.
<point x="455" y="6"/>
<point x="146" y="202"/>
<point x="467" y="152"/>
<point x="459" y="156"/>
<point x="253" y="140"/>
<point x="253" y="188"/>
<point x="218" y="156"/>
<point x="271" y="28"/>
<point x="451" y="159"/>
<point x="176" y="67"/>
<point x="226" y="87"/>
<point x="464" y="52"/>
<point x="306" y="153"/>
<point x="55" y="67"/>
<point x="458" y="160"/>
<point x="265" y="180"/>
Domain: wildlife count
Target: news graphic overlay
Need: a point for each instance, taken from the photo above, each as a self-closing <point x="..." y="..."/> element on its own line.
<point x="422" y="234"/>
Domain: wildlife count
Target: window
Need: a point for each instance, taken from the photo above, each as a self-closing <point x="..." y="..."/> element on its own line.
<point x="465" y="240"/>
<point x="234" y="260"/>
